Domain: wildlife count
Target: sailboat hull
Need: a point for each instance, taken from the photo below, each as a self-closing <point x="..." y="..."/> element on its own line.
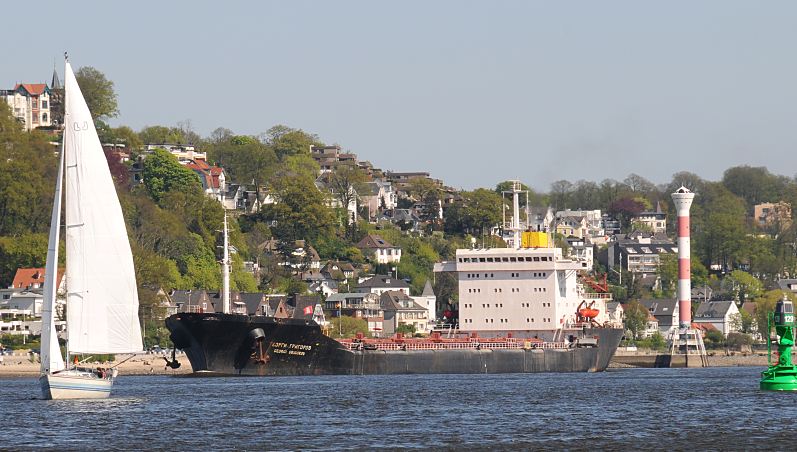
<point x="75" y="385"/>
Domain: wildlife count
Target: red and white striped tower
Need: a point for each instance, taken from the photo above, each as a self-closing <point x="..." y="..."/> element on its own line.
<point x="683" y="201"/>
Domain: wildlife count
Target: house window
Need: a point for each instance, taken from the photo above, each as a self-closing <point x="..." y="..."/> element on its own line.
<point x="44" y="104"/>
<point x="35" y="103"/>
<point x="44" y="117"/>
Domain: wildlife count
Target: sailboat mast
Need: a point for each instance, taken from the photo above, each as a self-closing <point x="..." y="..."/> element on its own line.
<point x="51" y="359"/>
<point x="225" y="266"/>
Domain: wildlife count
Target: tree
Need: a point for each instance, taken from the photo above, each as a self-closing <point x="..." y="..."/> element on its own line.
<point x="287" y="142"/>
<point x="346" y="181"/>
<point x="754" y="184"/>
<point x="721" y="236"/>
<point x="765" y="305"/>
<point x="744" y="285"/>
<point x="636" y="317"/>
<point x="426" y="191"/>
<point x="163" y="173"/>
<point x="405" y="328"/>
<point x="737" y="340"/>
<point x="743" y="322"/>
<point x="98" y="92"/>
<point x="300" y="214"/>
<point x="560" y="194"/>
<point x="345" y="326"/>
<point x="246" y="160"/>
<point x="714" y="339"/>
<point x="692" y="181"/>
<point x="474" y="212"/>
<point x="26" y="250"/>
<point x="161" y="135"/>
<point x="624" y="209"/>
<point x="27" y="177"/>
<point x="639" y="184"/>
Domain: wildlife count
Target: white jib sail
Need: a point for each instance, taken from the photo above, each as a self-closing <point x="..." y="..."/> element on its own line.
<point x="102" y="299"/>
<point x="51" y="359"/>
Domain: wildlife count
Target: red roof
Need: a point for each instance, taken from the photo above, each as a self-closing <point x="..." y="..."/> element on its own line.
<point x="27" y="278"/>
<point x="210" y="174"/>
<point x="34" y="89"/>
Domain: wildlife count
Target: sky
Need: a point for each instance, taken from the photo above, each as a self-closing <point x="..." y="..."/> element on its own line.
<point x="472" y="92"/>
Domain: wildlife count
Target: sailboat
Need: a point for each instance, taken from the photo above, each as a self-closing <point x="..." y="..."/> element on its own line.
<point x="101" y="293"/>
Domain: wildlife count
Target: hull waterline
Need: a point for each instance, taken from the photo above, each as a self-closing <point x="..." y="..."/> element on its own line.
<point x="73" y="385"/>
<point x="264" y="346"/>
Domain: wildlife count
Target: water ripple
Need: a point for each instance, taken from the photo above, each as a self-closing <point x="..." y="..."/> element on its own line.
<point x="678" y="409"/>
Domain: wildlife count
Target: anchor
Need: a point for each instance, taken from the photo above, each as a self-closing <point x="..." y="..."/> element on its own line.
<point x="174" y="364"/>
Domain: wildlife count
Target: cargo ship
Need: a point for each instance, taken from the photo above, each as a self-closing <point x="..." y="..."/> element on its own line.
<point x="522" y="309"/>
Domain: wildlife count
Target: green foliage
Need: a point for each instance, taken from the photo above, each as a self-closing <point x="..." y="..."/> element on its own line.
<point x="156" y="334"/>
<point x="120" y="135"/>
<point x="288" y="285"/>
<point x="668" y="273"/>
<point x="737" y="340"/>
<point x="301" y="213"/>
<point x="347" y="327"/>
<point x="714" y="339"/>
<point x="655" y="342"/>
<point x="162" y="135"/>
<point x="636" y="317"/>
<point x="754" y="184"/>
<point x="27" y="177"/>
<point x="721" y="237"/>
<point x="245" y="160"/>
<point x="744" y="285"/>
<point x="25" y="251"/>
<point x="405" y="328"/>
<point x="289" y="142"/>
<point x="98" y="92"/>
<point x="474" y="213"/>
<point x="743" y="322"/>
<point x="240" y="279"/>
<point x="765" y="305"/>
<point x="163" y="173"/>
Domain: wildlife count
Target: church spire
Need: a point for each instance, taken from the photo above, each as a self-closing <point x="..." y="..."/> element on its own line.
<point x="56" y="83"/>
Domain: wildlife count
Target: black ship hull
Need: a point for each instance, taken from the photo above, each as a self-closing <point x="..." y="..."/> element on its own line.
<point x="229" y="344"/>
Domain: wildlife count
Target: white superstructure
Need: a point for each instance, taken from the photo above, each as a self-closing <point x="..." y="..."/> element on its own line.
<point x="527" y="292"/>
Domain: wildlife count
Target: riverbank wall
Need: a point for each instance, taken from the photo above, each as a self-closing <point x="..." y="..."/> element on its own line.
<point x="716" y="358"/>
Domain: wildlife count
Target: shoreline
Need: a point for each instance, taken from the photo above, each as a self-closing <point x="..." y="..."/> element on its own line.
<point x="21" y="366"/>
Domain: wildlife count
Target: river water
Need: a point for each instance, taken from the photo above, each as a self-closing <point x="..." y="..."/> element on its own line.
<point x="677" y="409"/>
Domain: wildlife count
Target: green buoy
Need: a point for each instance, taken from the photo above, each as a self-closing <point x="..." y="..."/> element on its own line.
<point x="782" y="374"/>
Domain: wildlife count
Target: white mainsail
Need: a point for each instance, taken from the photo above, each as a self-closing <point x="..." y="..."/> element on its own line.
<point x="102" y="299"/>
<point x="51" y="359"/>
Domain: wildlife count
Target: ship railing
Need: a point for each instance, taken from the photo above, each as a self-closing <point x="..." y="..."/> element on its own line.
<point x="594" y="295"/>
<point x="471" y="345"/>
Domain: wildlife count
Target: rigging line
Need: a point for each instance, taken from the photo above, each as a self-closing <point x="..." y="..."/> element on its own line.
<point x="125" y="360"/>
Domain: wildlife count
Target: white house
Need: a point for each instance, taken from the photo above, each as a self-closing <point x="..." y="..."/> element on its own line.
<point x="428" y="300"/>
<point x="30" y="104"/>
<point x="379" y="250"/>
<point x="380" y="284"/>
<point x="720" y="314"/>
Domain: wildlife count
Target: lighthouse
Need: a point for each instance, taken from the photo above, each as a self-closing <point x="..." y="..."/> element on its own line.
<point x="683" y="202"/>
<point x="685" y="340"/>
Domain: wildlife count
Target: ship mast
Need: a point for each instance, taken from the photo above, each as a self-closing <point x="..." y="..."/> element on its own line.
<point x="515" y="226"/>
<point x="225" y="271"/>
